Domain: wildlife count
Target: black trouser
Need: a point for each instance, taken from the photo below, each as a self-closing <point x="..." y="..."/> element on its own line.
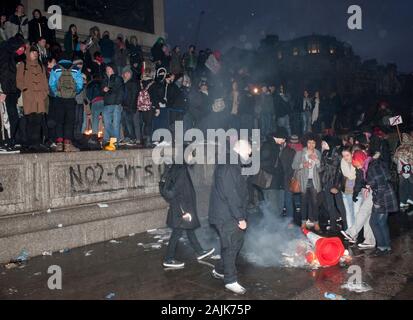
<point x="174" y="240"/>
<point x="77" y="131"/>
<point x="405" y="189"/>
<point x="51" y="120"/>
<point x="232" y="239"/>
<point x="65" y="118"/>
<point x="34" y="128"/>
<point x="334" y="205"/>
<point x="11" y="106"/>
<point x="146" y="120"/>
<point x="309" y="204"/>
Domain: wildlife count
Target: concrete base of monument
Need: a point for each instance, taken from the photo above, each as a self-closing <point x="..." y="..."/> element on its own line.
<point x="56" y="201"/>
<point x="76" y="227"/>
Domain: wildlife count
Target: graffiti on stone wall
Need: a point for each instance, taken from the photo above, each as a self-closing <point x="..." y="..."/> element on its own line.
<point x="97" y="178"/>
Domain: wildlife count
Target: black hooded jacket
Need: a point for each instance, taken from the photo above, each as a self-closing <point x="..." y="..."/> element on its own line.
<point x="229" y="196"/>
<point x="8" y="69"/>
<point x="116" y="92"/>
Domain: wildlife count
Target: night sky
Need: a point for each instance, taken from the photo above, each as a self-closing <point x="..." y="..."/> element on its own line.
<point x="386" y="35"/>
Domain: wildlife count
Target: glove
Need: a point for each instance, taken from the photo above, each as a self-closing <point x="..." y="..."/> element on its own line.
<point x="355" y="198"/>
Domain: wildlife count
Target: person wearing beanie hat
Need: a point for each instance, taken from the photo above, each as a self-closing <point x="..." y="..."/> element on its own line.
<point x="363" y="198"/>
<point x="273" y="189"/>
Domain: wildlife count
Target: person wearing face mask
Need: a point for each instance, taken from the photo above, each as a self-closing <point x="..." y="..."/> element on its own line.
<point x="228" y="214"/>
<point x="11" y="51"/>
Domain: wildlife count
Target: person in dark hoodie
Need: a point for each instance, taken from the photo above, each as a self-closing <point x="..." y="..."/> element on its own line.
<point x="38" y="28"/>
<point x="97" y="104"/>
<point x="271" y="152"/>
<point x="129" y="105"/>
<point x="330" y="174"/>
<point x="65" y="82"/>
<point x="71" y="41"/>
<point x="107" y="47"/>
<point x="113" y="93"/>
<point x="11" y="51"/>
<point x="228" y="215"/>
<point x="182" y="214"/>
<point x="135" y="56"/>
<point x="200" y="107"/>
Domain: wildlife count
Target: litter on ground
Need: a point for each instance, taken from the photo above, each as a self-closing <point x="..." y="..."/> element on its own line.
<point x="115" y="241"/>
<point x="89" y="253"/>
<point x="103" y="205"/>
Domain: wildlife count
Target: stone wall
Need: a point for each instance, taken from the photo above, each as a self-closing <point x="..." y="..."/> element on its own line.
<point x="53" y="201"/>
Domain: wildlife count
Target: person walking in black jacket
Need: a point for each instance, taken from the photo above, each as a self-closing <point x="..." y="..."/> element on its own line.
<point x="182" y="216"/>
<point x="113" y="93"/>
<point x="228" y="214"/>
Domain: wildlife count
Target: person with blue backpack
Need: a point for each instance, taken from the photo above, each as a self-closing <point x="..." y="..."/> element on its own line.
<point x="65" y="83"/>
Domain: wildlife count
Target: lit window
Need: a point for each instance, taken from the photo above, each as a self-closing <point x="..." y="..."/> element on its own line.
<point x="280" y="55"/>
<point x="314" y="48"/>
<point x="332" y="50"/>
<point x="296" y="51"/>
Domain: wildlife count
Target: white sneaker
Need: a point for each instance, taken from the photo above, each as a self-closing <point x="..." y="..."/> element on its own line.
<point x="217" y="275"/>
<point x="403" y="205"/>
<point x="206" y="254"/>
<point x="410" y="202"/>
<point x="236" y="288"/>
<point x="365" y="246"/>
<point x="310" y="224"/>
<point x="348" y="238"/>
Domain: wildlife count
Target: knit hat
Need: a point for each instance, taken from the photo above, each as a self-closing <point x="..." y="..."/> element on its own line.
<point x="294" y="139"/>
<point x="281" y="133"/>
<point x="359" y="157"/>
<point x="126" y="69"/>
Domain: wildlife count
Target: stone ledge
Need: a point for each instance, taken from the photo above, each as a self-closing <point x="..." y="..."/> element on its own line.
<point x="81" y="234"/>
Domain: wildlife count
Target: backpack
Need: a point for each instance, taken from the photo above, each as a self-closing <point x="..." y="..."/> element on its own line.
<point x="66" y="87"/>
<point x="144" y="99"/>
<point x="167" y="184"/>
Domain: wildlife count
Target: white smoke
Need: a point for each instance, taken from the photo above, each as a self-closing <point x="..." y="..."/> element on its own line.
<point x="273" y="242"/>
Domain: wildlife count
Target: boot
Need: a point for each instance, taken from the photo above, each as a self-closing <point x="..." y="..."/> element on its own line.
<point x="112" y="145"/>
<point x="69" y="147"/>
<point x="57" y="147"/>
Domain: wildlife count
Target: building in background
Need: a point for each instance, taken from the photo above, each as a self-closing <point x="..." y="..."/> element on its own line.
<point x="317" y="62"/>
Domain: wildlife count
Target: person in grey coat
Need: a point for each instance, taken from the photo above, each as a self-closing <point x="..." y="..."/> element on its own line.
<point x="307" y="164"/>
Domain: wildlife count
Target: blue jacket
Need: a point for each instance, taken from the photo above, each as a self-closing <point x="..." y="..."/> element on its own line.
<point x="57" y="72"/>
